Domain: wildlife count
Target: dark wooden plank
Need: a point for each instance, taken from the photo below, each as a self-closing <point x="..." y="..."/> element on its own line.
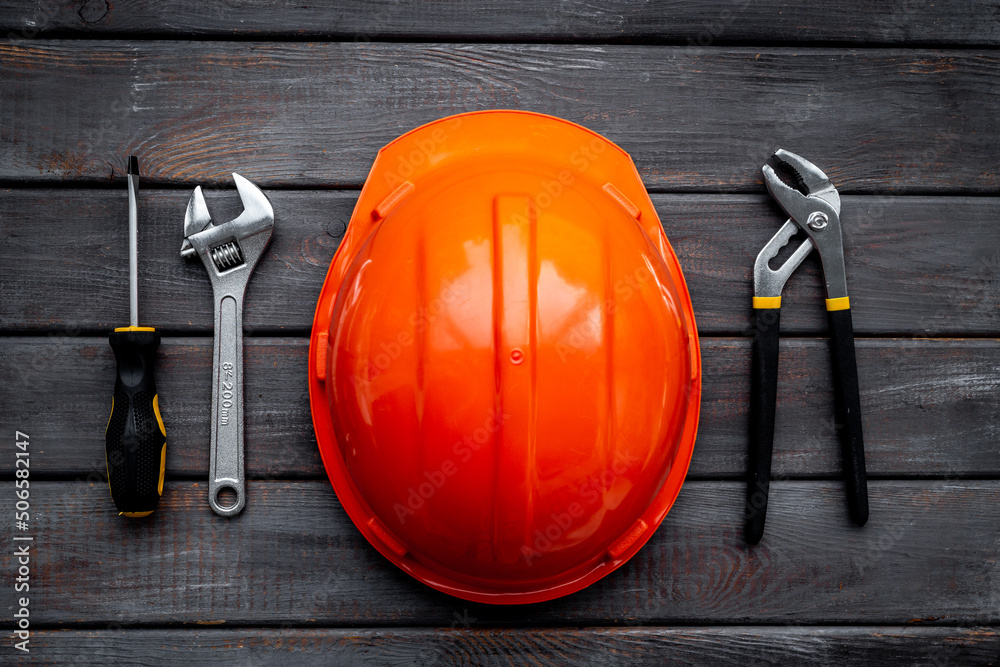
<point x="916" y="266"/>
<point x="929" y="407"/>
<point x="58" y="245"/>
<point x="315" y="114"/>
<point x="68" y="428"/>
<point x="928" y="554"/>
<point x="703" y="23"/>
<point x="463" y="644"/>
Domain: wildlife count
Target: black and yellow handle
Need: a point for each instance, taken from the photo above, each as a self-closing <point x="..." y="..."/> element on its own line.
<point x="847" y="398"/>
<point x="763" y="396"/>
<point x="135" y="439"/>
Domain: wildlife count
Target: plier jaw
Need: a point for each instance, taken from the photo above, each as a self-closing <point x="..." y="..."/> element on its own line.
<point x="817" y="213"/>
<point x="816" y="183"/>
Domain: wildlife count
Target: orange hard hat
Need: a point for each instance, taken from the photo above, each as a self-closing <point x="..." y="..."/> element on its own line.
<point x="504" y="370"/>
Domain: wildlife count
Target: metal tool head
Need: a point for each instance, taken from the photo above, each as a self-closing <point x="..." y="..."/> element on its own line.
<point x="196" y="218"/>
<point x="133" y="240"/>
<point x="813" y="179"/>
<point x="816" y="184"/>
<point x="233" y="245"/>
<point x="817" y="213"/>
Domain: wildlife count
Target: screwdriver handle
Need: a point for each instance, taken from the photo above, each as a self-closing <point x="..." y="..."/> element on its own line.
<point x="135" y="439"/>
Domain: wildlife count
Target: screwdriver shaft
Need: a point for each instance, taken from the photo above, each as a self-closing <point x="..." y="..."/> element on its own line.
<point x="133" y="241"/>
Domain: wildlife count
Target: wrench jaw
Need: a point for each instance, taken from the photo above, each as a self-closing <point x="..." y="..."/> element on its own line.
<point x="256" y="206"/>
<point x="234" y="246"/>
<point x="196" y="219"/>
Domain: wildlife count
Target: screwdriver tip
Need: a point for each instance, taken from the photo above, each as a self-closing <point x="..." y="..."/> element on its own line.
<point x="133" y="165"/>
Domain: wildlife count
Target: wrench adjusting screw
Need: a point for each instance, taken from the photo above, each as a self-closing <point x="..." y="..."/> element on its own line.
<point x="227" y="255"/>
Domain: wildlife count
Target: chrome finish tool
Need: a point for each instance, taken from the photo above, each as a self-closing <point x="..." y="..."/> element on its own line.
<point x="230" y="252"/>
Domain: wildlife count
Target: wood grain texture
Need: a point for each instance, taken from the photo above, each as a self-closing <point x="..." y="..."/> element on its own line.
<point x="928" y="554"/>
<point x="302" y="115"/>
<point x="930" y="407"/>
<point x="703" y="23"/>
<point x="916" y="266"/>
<point x="462" y="645"/>
<point x="910" y="134"/>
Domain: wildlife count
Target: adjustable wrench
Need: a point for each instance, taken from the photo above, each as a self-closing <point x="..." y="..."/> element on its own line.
<point x="230" y="252"/>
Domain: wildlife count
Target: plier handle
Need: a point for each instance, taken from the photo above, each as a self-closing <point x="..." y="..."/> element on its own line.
<point x="817" y="213"/>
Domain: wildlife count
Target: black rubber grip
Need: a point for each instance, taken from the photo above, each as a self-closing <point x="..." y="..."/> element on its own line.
<point x="848" y="404"/>
<point x="763" y="395"/>
<point x="134" y="440"/>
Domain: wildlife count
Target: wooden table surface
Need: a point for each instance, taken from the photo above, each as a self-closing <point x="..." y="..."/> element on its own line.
<point x="898" y="101"/>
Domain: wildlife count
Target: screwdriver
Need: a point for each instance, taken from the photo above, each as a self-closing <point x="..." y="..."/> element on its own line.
<point x="135" y="439"/>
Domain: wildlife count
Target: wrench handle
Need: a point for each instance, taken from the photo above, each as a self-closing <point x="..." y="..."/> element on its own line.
<point x="226" y="466"/>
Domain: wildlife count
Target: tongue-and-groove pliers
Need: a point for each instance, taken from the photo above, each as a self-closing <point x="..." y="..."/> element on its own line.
<point x="817" y="213"/>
